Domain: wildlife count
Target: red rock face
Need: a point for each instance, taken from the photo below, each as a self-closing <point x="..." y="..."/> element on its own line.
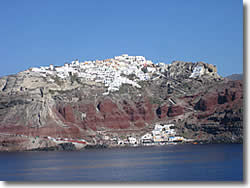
<point x="130" y="111"/>
<point x="74" y="119"/>
<point x="66" y="113"/>
<point x="124" y="114"/>
<point x="207" y="102"/>
<point x="69" y="114"/>
<point x="175" y="111"/>
<point x="227" y="97"/>
<point x="140" y="124"/>
<point x="108" y="114"/>
<point x="107" y="106"/>
<point x="166" y="111"/>
<point x="149" y="114"/>
<point x="162" y="111"/>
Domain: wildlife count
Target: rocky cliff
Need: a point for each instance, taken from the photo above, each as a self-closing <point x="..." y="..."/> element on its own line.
<point x="206" y="108"/>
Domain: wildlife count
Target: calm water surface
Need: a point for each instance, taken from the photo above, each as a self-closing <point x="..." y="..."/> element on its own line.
<point x="162" y="163"/>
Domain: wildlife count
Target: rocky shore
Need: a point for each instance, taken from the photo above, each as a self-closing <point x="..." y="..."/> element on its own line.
<point x="59" y="147"/>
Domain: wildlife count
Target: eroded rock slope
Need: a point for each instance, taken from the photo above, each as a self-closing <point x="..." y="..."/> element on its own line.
<point x="208" y="108"/>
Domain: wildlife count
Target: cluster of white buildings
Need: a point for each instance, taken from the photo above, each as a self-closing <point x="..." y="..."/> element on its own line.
<point x="130" y="140"/>
<point x="111" y="72"/>
<point x="162" y="133"/>
<point x="197" y="72"/>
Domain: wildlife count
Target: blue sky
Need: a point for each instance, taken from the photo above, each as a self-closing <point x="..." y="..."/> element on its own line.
<point x="36" y="33"/>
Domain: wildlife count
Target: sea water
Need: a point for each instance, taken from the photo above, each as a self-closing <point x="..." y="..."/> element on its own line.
<point x="217" y="162"/>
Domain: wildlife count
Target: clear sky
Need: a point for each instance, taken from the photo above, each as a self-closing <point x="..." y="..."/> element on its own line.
<point x="43" y="32"/>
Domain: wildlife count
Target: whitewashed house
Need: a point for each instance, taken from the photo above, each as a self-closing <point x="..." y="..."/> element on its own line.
<point x="175" y="139"/>
<point x="197" y="72"/>
<point x="147" y="138"/>
<point x="51" y="67"/>
<point x="132" y="140"/>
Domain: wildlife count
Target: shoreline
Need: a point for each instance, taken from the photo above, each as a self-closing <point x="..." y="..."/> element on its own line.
<point x="71" y="148"/>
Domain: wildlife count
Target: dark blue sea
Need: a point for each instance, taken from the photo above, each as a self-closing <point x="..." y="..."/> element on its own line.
<point x="157" y="163"/>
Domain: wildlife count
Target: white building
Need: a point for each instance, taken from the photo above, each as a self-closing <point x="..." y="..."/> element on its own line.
<point x="51" y="67"/>
<point x="147" y="138"/>
<point x="161" y="133"/>
<point x="35" y="69"/>
<point x="175" y="139"/>
<point x="161" y="64"/>
<point x="197" y="72"/>
<point x="132" y="140"/>
<point x="151" y="69"/>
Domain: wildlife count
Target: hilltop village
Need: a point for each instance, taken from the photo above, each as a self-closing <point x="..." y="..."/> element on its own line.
<point x="112" y="72"/>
